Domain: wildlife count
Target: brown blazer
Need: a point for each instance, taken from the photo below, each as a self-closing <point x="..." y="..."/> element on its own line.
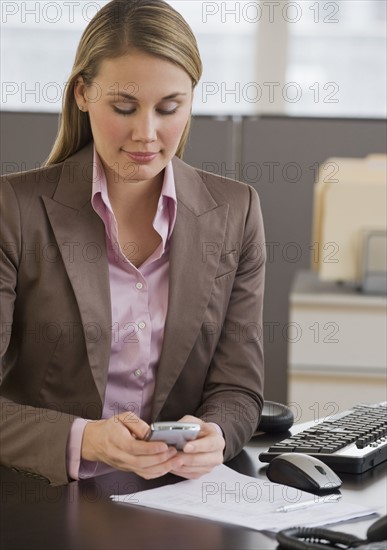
<point x="56" y="312"/>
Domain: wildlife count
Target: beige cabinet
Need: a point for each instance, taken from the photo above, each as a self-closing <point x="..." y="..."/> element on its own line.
<point x="336" y="340"/>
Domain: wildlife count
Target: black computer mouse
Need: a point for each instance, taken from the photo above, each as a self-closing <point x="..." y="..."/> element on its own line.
<point x="303" y="472"/>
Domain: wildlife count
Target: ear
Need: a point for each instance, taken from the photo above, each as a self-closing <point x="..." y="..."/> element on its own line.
<point x="80" y="93"/>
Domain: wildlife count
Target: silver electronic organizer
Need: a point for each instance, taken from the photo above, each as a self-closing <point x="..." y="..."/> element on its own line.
<point x="173" y="433"/>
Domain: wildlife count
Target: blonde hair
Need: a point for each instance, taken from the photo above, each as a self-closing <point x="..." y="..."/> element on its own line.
<point x="151" y="26"/>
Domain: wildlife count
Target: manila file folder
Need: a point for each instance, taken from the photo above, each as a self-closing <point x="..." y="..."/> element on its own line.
<point x="349" y="201"/>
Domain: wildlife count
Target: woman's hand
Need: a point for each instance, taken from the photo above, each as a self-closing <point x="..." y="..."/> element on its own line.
<point x="200" y="456"/>
<point x="117" y="442"/>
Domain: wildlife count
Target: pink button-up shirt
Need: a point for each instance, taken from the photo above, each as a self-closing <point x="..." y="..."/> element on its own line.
<point x="139" y="298"/>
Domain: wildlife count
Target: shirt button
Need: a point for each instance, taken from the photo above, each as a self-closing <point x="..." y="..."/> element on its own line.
<point x="138" y="373"/>
<point x="139" y="286"/>
<point x="141" y="325"/>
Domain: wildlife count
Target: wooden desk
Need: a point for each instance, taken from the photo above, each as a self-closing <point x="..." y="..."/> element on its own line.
<point x="80" y="516"/>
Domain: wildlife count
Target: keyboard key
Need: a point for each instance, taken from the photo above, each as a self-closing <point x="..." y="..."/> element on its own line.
<point x="306" y="449"/>
<point x="279" y="449"/>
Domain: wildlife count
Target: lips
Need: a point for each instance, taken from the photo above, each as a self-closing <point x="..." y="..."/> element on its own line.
<point x="141" y="156"/>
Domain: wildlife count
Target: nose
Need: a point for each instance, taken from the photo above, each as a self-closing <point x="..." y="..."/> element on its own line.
<point x="145" y="128"/>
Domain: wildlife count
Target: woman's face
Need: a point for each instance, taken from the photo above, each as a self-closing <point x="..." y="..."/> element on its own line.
<point x="138" y="103"/>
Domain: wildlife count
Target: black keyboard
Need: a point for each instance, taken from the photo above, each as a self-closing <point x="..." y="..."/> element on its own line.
<point x="351" y="442"/>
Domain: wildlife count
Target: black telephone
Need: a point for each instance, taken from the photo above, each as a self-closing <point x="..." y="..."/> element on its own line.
<point x="306" y="538"/>
<point x="275" y="418"/>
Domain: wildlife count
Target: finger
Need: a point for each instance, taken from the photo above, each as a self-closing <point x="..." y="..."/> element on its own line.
<point x="158" y="468"/>
<point x="195" y="461"/>
<point x="142" y="463"/>
<point x="190" y="418"/>
<point x="210" y="443"/>
<point x="130" y="444"/>
<point x="157" y="471"/>
<point x="151" y="471"/>
<point x="146" y="448"/>
<point x="201" y="463"/>
<point x="121" y="442"/>
<point x="133" y="423"/>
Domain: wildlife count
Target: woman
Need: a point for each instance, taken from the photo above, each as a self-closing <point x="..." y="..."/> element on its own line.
<point x="132" y="283"/>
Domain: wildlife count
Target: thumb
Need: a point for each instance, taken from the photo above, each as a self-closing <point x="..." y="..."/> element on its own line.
<point x="134" y="424"/>
<point x="190" y="418"/>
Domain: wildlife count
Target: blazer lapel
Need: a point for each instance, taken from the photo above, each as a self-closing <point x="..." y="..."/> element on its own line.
<point x="80" y="235"/>
<point x="200" y="226"/>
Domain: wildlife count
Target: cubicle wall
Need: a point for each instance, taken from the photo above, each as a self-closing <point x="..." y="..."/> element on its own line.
<point x="279" y="156"/>
<point x="295" y="147"/>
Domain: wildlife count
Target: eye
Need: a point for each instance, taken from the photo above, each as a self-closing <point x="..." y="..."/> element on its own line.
<point x="166" y="112"/>
<point x="168" y="108"/>
<point x="163" y="112"/>
<point x="123" y="112"/>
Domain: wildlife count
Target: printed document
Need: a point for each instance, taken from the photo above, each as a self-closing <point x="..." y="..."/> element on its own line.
<point x="227" y="496"/>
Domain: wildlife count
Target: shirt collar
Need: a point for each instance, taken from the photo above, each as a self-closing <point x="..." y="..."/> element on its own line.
<point x="168" y="195"/>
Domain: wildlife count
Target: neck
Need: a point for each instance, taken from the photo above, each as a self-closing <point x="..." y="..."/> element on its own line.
<point x="133" y="196"/>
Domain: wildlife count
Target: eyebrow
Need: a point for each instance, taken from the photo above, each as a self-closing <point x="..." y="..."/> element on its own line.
<point x="133" y="98"/>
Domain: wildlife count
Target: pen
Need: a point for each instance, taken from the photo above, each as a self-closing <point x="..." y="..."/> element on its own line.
<point x="307" y="503"/>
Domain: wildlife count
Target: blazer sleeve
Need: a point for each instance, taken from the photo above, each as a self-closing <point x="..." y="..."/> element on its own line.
<point x="233" y="392"/>
<point x="32" y="439"/>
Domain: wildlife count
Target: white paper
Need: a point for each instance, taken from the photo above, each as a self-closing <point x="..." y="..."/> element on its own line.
<point x="227" y="496"/>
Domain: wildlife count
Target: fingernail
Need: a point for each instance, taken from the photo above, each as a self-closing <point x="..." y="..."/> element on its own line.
<point x="189" y="448"/>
